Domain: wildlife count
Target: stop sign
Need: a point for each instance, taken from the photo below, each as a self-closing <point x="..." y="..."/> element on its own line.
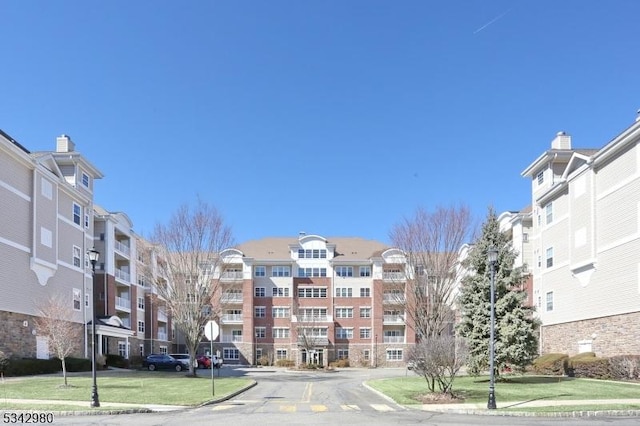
<point x="211" y="330"/>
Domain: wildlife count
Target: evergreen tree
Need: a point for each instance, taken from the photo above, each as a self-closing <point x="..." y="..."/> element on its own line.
<point x="516" y="341"/>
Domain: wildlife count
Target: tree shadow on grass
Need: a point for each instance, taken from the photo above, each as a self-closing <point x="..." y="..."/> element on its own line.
<point x="528" y="380"/>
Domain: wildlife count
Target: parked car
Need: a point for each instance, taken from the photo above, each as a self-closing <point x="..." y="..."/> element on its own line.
<point x="184" y="359"/>
<point x="162" y="362"/>
<point x="205" y="361"/>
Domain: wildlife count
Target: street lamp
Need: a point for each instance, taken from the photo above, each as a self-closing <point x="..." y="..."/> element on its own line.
<point x="93" y="258"/>
<point x="492" y="257"/>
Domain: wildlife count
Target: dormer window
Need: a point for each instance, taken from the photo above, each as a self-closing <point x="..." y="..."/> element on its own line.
<point x="540" y="177"/>
<point x="85" y="180"/>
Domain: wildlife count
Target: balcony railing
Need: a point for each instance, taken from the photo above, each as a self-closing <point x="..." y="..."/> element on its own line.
<point x="231" y="276"/>
<point x="122" y="248"/>
<point x="122" y="275"/>
<point x="227" y="338"/>
<point x="231" y="318"/>
<point x="393" y="276"/>
<point x="311" y="318"/>
<point x="393" y="339"/>
<point x="313" y="341"/>
<point x="123" y="303"/>
<point x="393" y="298"/>
<point x="231" y="298"/>
<point x="162" y="335"/>
<point x="393" y="319"/>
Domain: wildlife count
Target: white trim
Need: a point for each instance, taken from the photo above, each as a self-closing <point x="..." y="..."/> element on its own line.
<point x="15" y="245"/>
<point x="618" y="186"/>
<point x="15" y="191"/>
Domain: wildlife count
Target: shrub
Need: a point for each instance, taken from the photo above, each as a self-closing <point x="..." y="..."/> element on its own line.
<point x="135" y="361"/>
<point x="285" y="363"/>
<point x="551" y="364"/>
<point x="118" y="361"/>
<point x="77" y="364"/>
<point x="340" y="363"/>
<point x="31" y="366"/>
<point x="590" y="367"/>
<point x="624" y="367"/>
<point x="4" y="361"/>
<point x="264" y="361"/>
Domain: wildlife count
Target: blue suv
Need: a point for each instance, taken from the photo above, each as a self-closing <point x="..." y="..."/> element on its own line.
<point x="161" y="362"/>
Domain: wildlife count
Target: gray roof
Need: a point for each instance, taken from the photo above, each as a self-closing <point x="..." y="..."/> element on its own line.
<point x="277" y="248"/>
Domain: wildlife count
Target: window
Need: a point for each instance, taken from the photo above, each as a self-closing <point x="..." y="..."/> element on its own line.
<point x="313" y="314"/>
<point x="87" y="299"/>
<point x="280" y="333"/>
<point x="122" y="349"/>
<point x="344" y="333"/>
<point x="344" y="312"/>
<point x="230" y="353"/>
<point x="281" y="354"/>
<point x="550" y="301"/>
<point x="261" y="332"/>
<point x="312" y="254"/>
<point x="258" y="353"/>
<point x="549" y="257"/>
<point x="77" y="213"/>
<point x="260" y="312"/>
<point x="525" y="237"/>
<point x="140" y="326"/>
<point x="280" y="312"/>
<point x="365" y="312"/>
<point x="549" y="212"/>
<point x="259" y="292"/>
<point x="77" y="299"/>
<point x="342" y="353"/>
<point x="394" y="355"/>
<point x="86" y="220"/>
<point x="163" y="350"/>
<point x="261" y="271"/>
<point x="366" y="355"/>
<point x="280" y="271"/>
<point x="76" y="256"/>
<point x="344" y="292"/>
<point x="344" y="271"/>
<point x="141" y="350"/>
<point x="280" y="291"/>
<point x="313" y="292"/>
<point x="365" y="292"/>
<point x="312" y="272"/>
<point x="365" y="333"/>
<point x="141" y="303"/>
<point x="540" y="177"/>
<point x="85" y="180"/>
<point x="365" y="271"/>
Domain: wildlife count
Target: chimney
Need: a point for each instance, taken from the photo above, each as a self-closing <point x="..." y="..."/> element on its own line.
<point x="561" y="141"/>
<point x="64" y="144"/>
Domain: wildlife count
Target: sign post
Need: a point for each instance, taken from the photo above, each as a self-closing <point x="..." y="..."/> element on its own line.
<point x="211" y="331"/>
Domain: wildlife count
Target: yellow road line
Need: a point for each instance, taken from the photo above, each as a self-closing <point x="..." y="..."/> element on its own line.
<point x="306" y="395"/>
<point x="288" y="408"/>
<point x="318" y="408"/>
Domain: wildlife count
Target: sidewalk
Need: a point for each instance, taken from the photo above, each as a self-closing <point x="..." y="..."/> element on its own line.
<point x="482" y="406"/>
<point x="118" y="406"/>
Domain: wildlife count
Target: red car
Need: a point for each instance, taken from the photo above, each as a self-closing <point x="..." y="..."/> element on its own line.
<point x="204" y="361"/>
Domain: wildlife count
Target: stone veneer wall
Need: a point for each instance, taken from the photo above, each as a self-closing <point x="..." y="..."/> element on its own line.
<point x="19" y="341"/>
<point x="614" y="335"/>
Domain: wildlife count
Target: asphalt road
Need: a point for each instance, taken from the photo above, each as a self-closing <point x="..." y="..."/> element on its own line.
<point x="319" y="398"/>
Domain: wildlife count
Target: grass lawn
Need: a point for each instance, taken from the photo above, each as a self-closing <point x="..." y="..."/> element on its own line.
<point x="407" y="390"/>
<point x="135" y="387"/>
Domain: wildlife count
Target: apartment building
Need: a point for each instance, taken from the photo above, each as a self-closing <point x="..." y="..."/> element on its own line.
<point x="585" y="244"/>
<point x="518" y="225"/>
<point x="46" y="228"/>
<point x="313" y="299"/>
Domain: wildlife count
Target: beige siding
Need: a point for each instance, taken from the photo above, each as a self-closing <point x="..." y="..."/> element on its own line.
<point x="15" y="224"/>
<point x="15" y="174"/>
<point x="617" y="215"/>
<point x="19" y="284"/>
<point x="617" y="170"/>
<point x="581" y="218"/>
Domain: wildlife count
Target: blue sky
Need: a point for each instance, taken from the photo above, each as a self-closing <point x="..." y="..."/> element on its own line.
<point x="337" y="118"/>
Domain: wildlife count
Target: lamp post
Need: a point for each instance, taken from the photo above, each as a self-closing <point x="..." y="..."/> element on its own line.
<point x="93" y="258"/>
<point x="492" y="257"/>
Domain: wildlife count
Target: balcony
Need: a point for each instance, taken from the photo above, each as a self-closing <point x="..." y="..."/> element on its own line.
<point x="231" y="276"/>
<point x="393" y="299"/>
<point x="393" y="319"/>
<point x="162" y="316"/>
<point x="231" y="298"/>
<point x="231" y="318"/>
<point x="122" y="248"/>
<point x="313" y="341"/>
<point x="394" y="276"/>
<point x="228" y="338"/>
<point x="311" y="318"/>
<point x="162" y="336"/>
<point x="123" y="276"/>
<point x="393" y="339"/>
<point x="123" y="303"/>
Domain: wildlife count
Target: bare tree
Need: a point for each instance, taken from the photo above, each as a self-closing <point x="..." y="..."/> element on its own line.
<point x="310" y="331"/>
<point x="188" y="257"/>
<point x="62" y="334"/>
<point x="427" y="284"/>
<point x="438" y="360"/>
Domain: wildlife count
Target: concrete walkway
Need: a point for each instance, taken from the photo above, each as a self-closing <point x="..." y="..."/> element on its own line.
<point x="482" y="406"/>
<point x="116" y="406"/>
